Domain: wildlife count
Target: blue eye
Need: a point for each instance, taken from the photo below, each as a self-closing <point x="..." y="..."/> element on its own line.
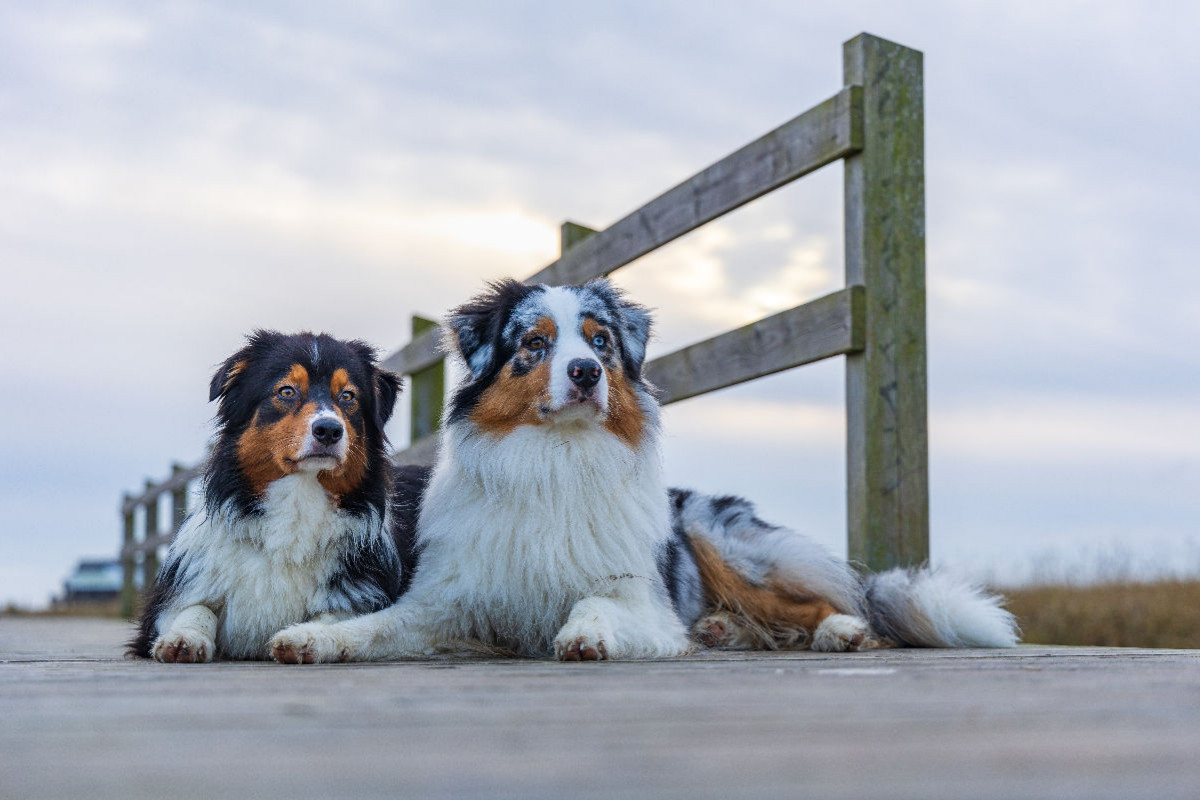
<point x="599" y="340"/>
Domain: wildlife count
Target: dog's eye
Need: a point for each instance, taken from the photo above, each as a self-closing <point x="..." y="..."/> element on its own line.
<point x="535" y="343"/>
<point x="599" y="340"/>
<point x="346" y="396"/>
<point x="286" y="392"/>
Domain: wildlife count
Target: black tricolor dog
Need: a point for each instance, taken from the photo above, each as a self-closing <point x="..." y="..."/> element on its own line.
<point x="304" y="518"/>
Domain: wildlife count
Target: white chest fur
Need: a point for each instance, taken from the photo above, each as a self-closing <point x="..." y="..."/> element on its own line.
<point x="519" y="529"/>
<point x="264" y="572"/>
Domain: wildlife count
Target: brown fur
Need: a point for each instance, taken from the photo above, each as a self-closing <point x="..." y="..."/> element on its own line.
<point x="625" y="418"/>
<point x="776" y="615"/>
<point x="511" y="401"/>
<point x="267" y="453"/>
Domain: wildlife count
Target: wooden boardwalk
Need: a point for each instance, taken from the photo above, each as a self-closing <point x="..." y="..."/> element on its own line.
<point x="77" y="720"/>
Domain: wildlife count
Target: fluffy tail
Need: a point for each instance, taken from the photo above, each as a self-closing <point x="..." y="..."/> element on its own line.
<point x="929" y="608"/>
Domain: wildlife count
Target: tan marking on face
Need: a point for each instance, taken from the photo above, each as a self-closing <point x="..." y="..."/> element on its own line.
<point x="545" y="327"/>
<point x="778" y="613"/>
<point x="591" y="328"/>
<point x="625" y="419"/>
<point x="297" y="377"/>
<point x="340" y="381"/>
<point x="267" y="453"/>
<point x="511" y="401"/>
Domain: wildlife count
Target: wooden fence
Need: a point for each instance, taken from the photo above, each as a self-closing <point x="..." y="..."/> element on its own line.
<point x="875" y="125"/>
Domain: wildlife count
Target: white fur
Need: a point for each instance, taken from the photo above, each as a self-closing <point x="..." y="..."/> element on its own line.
<point x="329" y="457"/>
<point x="564" y="308"/>
<point x="839" y="632"/>
<point x="531" y="542"/>
<point x="193" y="631"/>
<point x="257" y="574"/>
<point x="932" y="608"/>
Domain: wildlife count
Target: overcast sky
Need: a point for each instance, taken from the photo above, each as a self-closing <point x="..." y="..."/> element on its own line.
<point x="175" y="174"/>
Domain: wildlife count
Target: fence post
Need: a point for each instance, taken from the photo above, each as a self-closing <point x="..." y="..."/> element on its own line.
<point x="571" y="234"/>
<point x="179" y="499"/>
<point x="128" y="590"/>
<point x="150" y="556"/>
<point x="427" y="390"/>
<point x="886" y="418"/>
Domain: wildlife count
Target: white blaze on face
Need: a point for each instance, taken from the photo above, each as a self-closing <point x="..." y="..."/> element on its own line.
<point x="563" y="307"/>
<point x="314" y="450"/>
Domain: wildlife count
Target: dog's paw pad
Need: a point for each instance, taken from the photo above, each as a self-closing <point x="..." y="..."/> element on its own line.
<point x="712" y="632"/>
<point x="183" y="649"/>
<point x="582" y="649"/>
<point x="291" y="653"/>
<point x="840" y="633"/>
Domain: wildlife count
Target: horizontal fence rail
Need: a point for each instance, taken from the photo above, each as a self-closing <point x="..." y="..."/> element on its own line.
<point x="874" y="124"/>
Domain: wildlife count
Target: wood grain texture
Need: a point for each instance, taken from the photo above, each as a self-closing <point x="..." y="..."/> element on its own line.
<point x="887" y="450"/>
<point x="427" y="389"/>
<point x="571" y="234"/>
<point x="179" y="479"/>
<point x="1046" y="722"/>
<point x="829" y="326"/>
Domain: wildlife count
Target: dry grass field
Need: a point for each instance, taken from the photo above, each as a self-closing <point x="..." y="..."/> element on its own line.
<point x="1163" y="613"/>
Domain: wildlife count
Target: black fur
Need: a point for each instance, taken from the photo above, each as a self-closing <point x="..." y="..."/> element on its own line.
<point x="479" y="324"/>
<point x="368" y="579"/>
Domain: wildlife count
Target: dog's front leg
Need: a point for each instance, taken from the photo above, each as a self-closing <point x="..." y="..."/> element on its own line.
<point x="601" y="628"/>
<point x="192" y="637"/>
<point x="405" y="629"/>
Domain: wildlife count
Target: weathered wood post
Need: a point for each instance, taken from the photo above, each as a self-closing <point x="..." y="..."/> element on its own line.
<point x="179" y="500"/>
<point x="886" y="419"/>
<point x="128" y="590"/>
<point x="150" y="556"/>
<point x="571" y="234"/>
<point x="427" y="391"/>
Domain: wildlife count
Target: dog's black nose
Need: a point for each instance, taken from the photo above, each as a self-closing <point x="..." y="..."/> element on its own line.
<point x="583" y="372"/>
<point x="327" y="431"/>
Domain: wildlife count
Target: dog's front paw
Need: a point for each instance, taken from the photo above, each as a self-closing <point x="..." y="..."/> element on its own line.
<point x="839" y="633"/>
<point x="581" y="648"/>
<point x="184" y="648"/>
<point x="307" y="643"/>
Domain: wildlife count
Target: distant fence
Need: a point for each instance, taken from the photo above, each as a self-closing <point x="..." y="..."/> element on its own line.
<point x="875" y="124"/>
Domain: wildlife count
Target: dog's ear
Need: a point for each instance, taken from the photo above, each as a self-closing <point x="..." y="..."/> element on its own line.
<point x="633" y="325"/>
<point x="387" y="387"/>
<point x="226" y="375"/>
<point x="475" y="327"/>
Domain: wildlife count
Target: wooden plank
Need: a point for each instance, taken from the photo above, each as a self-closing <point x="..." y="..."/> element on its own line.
<point x="571" y="234"/>
<point x="824" y="133"/>
<point x="155" y="490"/>
<point x="887" y="449"/>
<point x="427" y="389"/>
<point x="1081" y="723"/>
<point x="829" y="326"/>
<point x="148" y="545"/>
<point x="422" y="352"/>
